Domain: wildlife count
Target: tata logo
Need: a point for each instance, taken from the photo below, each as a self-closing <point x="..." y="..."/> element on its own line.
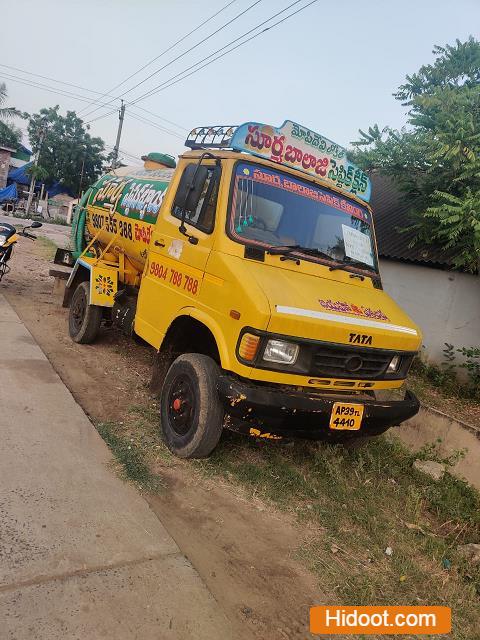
<point x="360" y="338"/>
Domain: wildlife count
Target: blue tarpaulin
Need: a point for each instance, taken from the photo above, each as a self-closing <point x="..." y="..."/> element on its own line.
<point x="56" y="188"/>
<point x="20" y="176"/>
<point x="9" y="193"/>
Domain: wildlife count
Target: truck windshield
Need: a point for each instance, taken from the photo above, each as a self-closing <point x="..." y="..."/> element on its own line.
<point x="273" y="209"/>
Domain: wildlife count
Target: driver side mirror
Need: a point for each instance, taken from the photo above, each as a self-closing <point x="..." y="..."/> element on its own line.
<point x="191" y="187"/>
<point x="35" y="225"/>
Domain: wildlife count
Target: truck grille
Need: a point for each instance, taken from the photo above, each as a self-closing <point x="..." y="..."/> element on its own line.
<point x="349" y="363"/>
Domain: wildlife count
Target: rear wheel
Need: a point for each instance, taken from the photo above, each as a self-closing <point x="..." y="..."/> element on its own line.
<point x="84" y="318"/>
<point x="190" y="410"/>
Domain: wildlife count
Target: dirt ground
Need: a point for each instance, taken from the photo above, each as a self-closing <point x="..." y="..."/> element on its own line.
<point x="244" y="551"/>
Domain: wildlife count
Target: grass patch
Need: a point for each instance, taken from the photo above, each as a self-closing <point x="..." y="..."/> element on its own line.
<point x="45" y="247"/>
<point x="58" y="220"/>
<point x="448" y="400"/>
<point x="130" y="456"/>
<point x="357" y="504"/>
<point x="351" y="506"/>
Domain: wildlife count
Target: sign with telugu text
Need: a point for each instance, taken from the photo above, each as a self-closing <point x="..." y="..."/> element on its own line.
<point x="296" y="146"/>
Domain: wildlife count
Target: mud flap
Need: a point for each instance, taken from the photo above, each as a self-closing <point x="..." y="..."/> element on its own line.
<point x="103" y="286"/>
<point x="64" y="257"/>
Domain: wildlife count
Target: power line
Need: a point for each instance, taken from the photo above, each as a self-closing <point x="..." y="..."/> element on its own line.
<point x="151" y="113"/>
<point x="168" y="83"/>
<point x="25" y="130"/>
<point x="37" y="75"/>
<point x="163" y="52"/>
<point x="126" y="153"/>
<point x="181" y="55"/>
<point x="104" y="115"/>
<point x="40" y="85"/>
<point x="31" y="83"/>
<point x="175" y="79"/>
<point x="154" y="124"/>
<point x="140" y="119"/>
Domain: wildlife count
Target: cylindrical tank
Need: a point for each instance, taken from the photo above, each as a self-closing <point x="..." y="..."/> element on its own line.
<point x="125" y="204"/>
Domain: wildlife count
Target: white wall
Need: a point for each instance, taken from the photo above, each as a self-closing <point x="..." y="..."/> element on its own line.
<point x="445" y="304"/>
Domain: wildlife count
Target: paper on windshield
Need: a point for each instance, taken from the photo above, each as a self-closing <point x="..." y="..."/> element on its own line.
<point x="357" y="245"/>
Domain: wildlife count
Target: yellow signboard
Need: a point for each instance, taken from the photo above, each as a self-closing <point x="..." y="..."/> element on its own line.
<point x="103" y="286"/>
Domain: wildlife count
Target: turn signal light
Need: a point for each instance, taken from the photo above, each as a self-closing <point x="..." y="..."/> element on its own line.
<point x="248" y="346"/>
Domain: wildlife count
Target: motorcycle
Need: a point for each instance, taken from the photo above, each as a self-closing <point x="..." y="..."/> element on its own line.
<point x="8" y="238"/>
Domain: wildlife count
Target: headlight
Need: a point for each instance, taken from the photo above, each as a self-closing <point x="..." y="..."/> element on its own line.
<point x="281" y="352"/>
<point x="394" y="364"/>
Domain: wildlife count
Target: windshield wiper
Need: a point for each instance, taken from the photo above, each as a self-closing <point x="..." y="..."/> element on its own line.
<point x="353" y="263"/>
<point x="285" y="249"/>
<point x="282" y="249"/>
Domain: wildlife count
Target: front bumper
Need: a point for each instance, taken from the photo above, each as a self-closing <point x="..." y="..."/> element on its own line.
<point x="303" y="415"/>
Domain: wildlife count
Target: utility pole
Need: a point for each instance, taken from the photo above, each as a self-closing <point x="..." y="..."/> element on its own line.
<point x="81" y="175"/>
<point x="121" y="115"/>
<point x="35" y="163"/>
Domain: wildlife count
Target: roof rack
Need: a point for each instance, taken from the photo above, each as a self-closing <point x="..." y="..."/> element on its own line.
<point x="217" y="137"/>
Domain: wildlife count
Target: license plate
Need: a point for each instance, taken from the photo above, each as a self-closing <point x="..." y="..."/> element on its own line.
<point x="346" y="416"/>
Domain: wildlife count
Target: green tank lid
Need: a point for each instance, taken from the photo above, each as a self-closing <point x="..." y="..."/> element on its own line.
<point x="162" y="158"/>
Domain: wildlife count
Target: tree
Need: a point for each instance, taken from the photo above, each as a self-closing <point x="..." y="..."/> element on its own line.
<point x="10" y="136"/>
<point x="68" y="154"/>
<point x="436" y="160"/>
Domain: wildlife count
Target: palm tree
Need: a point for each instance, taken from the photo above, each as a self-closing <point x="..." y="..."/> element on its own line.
<point x="10" y="135"/>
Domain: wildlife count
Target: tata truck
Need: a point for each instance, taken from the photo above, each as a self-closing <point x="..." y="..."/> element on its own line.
<point x="250" y="267"/>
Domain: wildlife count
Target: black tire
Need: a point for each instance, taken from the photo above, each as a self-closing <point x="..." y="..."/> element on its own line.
<point x="190" y="410"/>
<point x="83" y="318"/>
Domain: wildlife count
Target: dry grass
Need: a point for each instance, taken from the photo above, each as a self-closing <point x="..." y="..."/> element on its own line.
<point x="350" y="506"/>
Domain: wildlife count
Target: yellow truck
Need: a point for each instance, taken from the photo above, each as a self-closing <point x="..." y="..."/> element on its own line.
<point x="251" y="269"/>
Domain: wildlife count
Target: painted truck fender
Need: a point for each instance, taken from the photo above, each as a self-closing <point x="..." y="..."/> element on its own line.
<point x="215" y="329"/>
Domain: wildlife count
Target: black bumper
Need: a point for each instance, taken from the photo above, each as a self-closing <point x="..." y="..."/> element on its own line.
<point x="295" y="414"/>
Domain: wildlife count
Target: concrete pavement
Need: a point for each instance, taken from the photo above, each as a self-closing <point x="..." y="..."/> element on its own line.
<point x="81" y="553"/>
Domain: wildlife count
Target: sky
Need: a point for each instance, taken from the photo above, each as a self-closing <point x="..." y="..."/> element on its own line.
<point x="332" y="67"/>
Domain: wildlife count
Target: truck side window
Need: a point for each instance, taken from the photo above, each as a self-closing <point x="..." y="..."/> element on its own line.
<point x="204" y="215"/>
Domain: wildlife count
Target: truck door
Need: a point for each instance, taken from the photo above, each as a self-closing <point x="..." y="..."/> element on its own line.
<point x="175" y="266"/>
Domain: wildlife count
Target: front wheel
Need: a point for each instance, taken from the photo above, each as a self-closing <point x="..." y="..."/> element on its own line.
<point x="84" y="318"/>
<point x="190" y="410"/>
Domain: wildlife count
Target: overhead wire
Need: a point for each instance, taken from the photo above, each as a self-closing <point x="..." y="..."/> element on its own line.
<point x="108" y="93"/>
<point x="140" y="119"/>
<point x="125" y="153"/>
<point x="38" y="85"/>
<point x="144" y="120"/>
<point x="69" y="94"/>
<point x="103" y="115"/>
<point x="181" y="55"/>
<point x="129" y="114"/>
<point x="31" y="83"/>
<point x="176" y="78"/>
<point x="168" y="83"/>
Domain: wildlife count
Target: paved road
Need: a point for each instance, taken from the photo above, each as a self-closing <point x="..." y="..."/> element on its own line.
<point x="81" y="553"/>
<point x="60" y="234"/>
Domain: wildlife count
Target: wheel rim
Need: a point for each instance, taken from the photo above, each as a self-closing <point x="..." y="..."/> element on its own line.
<point x="181" y="405"/>
<point x="79" y="309"/>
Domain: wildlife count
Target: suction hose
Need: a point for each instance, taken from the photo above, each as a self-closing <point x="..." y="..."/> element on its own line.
<point x="78" y="227"/>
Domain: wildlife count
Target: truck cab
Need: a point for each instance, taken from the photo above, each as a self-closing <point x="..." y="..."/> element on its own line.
<point x="256" y="281"/>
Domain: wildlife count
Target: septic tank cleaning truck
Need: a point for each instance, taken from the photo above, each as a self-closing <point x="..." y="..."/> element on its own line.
<point x="251" y="269"/>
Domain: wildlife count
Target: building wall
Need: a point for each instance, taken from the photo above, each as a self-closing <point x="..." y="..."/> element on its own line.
<point x="4" y="166"/>
<point x="445" y="304"/>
